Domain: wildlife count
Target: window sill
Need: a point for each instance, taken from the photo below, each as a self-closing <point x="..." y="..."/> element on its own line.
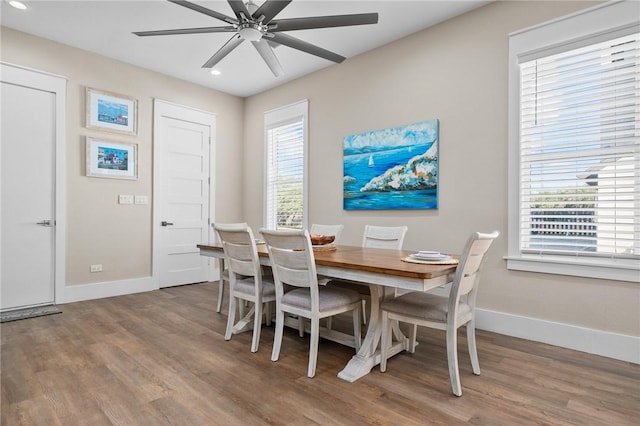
<point x="618" y="270"/>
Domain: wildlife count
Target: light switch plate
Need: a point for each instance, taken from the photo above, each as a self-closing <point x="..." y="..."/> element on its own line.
<point x="125" y="199"/>
<point x="141" y="199"/>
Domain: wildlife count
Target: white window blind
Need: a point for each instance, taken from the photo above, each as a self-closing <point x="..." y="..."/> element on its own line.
<point x="580" y="151"/>
<point x="285" y="180"/>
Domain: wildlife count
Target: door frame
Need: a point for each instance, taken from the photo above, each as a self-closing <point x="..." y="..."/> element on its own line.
<point x="56" y="84"/>
<point x="165" y="108"/>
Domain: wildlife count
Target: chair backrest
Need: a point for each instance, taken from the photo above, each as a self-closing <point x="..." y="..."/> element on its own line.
<point x="387" y="237"/>
<point x="292" y="258"/>
<point x="319" y="229"/>
<point x="241" y="253"/>
<point x="467" y="274"/>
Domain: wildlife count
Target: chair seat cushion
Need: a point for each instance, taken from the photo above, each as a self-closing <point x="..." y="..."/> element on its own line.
<point x="423" y="305"/>
<point x="328" y="298"/>
<point x="248" y="287"/>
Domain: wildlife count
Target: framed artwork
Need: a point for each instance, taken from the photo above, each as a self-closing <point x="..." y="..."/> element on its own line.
<point x="109" y="159"/>
<point x="393" y="168"/>
<point x="111" y="112"/>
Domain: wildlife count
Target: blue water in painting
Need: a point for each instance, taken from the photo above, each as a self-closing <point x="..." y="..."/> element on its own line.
<point x="357" y="166"/>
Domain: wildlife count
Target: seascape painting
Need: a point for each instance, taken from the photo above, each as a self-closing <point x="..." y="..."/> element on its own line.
<point x="393" y="168"/>
<point x="113" y="112"/>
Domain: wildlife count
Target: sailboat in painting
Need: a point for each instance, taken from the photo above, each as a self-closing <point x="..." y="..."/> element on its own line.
<point x="371" y="163"/>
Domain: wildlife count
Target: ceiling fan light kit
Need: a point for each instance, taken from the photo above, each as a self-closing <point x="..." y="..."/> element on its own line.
<point x="257" y="25"/>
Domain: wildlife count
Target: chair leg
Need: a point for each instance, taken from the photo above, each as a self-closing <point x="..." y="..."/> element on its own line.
<point x="473" y="352"/>
<point x="231" y="318"/>
<point x="385" y="342"/>
<point x="300" y="326"/>
<point x="357" y="332"/>
<point x="277" y="340"/>
<point x="220" y="295"/>
<point x="412" y="338"/>
<point x="241" y="307"/>
<point x="452" y="358"/>
<point x="328" y="322"/>
<point x="267" y="313"/>
<point x="257" y="326"/>
<point x="313" y="346"/>
<point x="364" y="311"/>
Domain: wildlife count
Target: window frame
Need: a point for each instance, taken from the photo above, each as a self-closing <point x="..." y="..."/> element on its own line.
<point x="282" y="116"/>
<point x="600" y="23"/>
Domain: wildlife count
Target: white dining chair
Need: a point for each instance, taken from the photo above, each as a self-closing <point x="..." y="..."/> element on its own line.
<point x="293" y="265"/>
<point x="246" y="282"/>
<point x="320" y="229"/>
<point x="442" y="312"/>
<point x="386" y="237"/>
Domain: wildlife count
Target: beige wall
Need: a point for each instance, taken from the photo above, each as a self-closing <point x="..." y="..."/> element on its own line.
<point x="98" y="229"/>
<point x="455" y="72"/>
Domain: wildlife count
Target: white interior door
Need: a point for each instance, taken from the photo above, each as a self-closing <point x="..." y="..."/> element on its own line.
<point x="28" y="208"/>
<point x="182" y="208"/>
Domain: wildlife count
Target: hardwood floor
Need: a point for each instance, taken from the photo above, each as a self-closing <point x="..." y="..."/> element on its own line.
<point x="160" y="358"/>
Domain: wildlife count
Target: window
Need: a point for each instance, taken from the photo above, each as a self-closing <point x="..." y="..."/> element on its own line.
<point x="286" y="164"/>
<point x="575" y="148"/>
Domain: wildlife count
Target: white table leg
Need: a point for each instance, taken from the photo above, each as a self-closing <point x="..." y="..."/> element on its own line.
<point x="369" y="354"/>
<point x="246" y="323"/>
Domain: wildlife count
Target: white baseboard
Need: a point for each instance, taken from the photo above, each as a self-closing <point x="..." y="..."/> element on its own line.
<point x="78" y="293"/>
<point x="611" y="345"/>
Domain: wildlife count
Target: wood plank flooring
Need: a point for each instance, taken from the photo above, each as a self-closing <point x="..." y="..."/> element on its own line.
<point x="159" y="358"/>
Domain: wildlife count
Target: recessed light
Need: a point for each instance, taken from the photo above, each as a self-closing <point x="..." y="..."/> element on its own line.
<point x="17" y="4"/>
<point x="215" y="72"/>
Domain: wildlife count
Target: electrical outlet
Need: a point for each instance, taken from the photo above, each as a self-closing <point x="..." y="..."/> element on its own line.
<point x="96" y="268"/>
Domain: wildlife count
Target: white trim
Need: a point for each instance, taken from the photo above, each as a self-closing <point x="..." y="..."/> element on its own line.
<point x="37" y="71"/>
<point x="611" y="269"/>
<point x="165" y="108"/>
<point x="56" y="84"/>
<point x="571" y="16"/>
<point x="612" y="345"/>
<point x="79" y="293"/>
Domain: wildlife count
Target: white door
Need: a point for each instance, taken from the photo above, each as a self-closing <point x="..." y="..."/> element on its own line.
<point x="28" y="219"/>
<point x="182" y="208"/>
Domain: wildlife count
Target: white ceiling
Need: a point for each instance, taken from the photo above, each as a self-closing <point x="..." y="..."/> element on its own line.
<point x="105" y="27"/>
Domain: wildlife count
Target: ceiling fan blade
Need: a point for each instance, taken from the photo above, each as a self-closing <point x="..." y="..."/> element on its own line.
<point x="239" y="8"/>
<point x="224" y="51"/>
<point x="265" y="50"/>
<point x="269" y="9"/>
<point x="206" y="11"/>
<point x="185" y="31"/>
<point x="303" y="46"/>
<point x="324" y="22"/>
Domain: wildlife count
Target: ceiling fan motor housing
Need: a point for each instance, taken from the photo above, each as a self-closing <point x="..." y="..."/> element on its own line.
<point x="251" y="31"/>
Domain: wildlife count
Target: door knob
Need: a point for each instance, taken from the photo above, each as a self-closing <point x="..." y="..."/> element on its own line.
<point x="165" y="223"/>
<point x="44" y="223"/>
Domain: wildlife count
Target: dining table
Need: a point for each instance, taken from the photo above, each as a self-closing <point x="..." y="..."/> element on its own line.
<point x="384" y="271"/>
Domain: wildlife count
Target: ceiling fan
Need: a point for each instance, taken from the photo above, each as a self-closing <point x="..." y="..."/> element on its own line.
<point x="257" y="24"/>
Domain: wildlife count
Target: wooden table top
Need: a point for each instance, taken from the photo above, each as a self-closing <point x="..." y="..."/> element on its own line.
<point x="382" y="261"/>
